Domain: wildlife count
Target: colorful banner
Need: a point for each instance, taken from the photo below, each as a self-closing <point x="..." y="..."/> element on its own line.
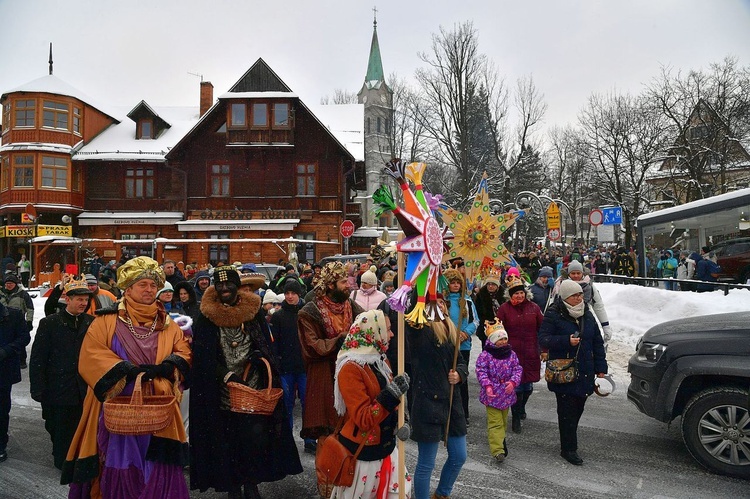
<point x="54" y="230"/>
<point x="20" y="231"/>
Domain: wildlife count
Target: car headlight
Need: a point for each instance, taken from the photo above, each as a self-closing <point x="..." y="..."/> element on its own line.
<point x="650" y="352"/>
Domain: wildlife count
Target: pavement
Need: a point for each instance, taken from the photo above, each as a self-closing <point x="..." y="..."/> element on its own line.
<point x="626" y="454"/>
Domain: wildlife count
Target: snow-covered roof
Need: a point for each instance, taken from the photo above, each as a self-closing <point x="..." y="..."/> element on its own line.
<point x="258" y="95"/>
<point x="177" y="215"/>
<point x="37" y="146"/>
<point x="346" y="122"/>
<point x="739" y="194"/>
<point x="118" y="142"/>
<point x="51" y="84"/>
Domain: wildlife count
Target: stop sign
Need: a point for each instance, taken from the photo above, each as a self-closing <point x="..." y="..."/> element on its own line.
<point x="347" y="228"/>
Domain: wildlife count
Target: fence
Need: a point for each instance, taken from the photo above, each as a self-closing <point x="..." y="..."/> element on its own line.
<point x="654" y="281"/>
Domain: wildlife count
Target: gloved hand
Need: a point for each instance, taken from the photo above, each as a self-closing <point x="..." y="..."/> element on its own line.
<point x="134" y="372"/>
<point x="404" y="432"/>
<point x="489" y="391"/>
<point x="29" y="325"/>
<point x="255" y="358"/>
<point x="163" y="370"/>
<point x="233" y="378"/>
<point x="390" y="396"/>
<point x="509" y="387"/>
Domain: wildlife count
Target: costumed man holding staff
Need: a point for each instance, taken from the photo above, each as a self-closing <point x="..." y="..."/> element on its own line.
<point x="231" y="450"/>
<point x="135" y="336"/>
<point x="53" y="368"/>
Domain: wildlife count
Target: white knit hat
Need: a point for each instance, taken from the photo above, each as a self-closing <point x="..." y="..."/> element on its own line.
<point x="569" y="288"/>
<point x="369" y="277"/>
<point x="269" y="297"/>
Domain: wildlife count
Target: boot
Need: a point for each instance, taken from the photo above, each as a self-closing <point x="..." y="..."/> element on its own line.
<point x="515" y="411"/>
<point x="251" y="491"/>
<point x="435" y="495"/>
<point x="525" y="398"/>
<point x="505" y="448"/>
<point x="235" y="493"/>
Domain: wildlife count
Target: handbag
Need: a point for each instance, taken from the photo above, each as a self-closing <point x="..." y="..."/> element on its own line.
<point x="562" y="371"/>
<point x="334" y="464"/>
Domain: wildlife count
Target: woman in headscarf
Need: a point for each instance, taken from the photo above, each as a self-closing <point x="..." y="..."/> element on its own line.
<point x="367" y="395"/>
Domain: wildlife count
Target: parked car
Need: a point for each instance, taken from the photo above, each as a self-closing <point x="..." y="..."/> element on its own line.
<point x="268" y="269"/>
<point x="699" y="368"/>
<point x="359" y="258"/>
<point x="733" y="256"/>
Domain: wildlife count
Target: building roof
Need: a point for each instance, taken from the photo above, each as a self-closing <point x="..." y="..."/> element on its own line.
<point x="347" y="123"/>
<point x="374" y="77"/>
<point x="51" y="84"/>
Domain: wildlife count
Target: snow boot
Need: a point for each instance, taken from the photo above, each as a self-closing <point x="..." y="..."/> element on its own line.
<point x="525" y="398"/>
<point x="515" y="411"/>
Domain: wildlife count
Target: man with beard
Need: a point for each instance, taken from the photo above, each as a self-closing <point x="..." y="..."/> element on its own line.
<point x="323" y="324"/>
<point x="488" y="300"/>
<point x="53" y="368"/>
<point x="231" y="450"/>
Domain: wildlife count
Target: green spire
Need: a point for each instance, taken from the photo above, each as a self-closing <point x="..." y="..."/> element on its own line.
<point x="374" y="65"/>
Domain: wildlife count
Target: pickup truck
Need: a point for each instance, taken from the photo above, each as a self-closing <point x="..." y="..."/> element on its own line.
<point x="699" y="368"/>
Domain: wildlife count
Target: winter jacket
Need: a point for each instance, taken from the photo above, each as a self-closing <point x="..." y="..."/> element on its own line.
<point x="286" y="343"/>
<point x="623" y="265"/>
<point x="53" y="366"/>
<point x="707" y="270"/>
<point x="367" y="299"/>
<point x="430" y="366"/>
<point x="486" y="308"/>
<point x="590" y="295"/>
<point x="14" y="336"/>
<point x="198" y="292"/>
<point x="495" y="372"/>
<point x="522" y="323"/>
<point x="191" y="308"/>
<point x="20" y="300"/>
<point x="540" y="294"/>
<point x="469" y="323"/>
<point x="668" y="266"/>
<point x="555" y="333"/>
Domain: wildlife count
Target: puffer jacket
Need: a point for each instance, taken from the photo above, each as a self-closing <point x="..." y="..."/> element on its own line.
<point x="522" y="323"/>
<point x="495" y="371"/>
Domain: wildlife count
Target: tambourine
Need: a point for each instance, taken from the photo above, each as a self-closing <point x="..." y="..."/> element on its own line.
<point x="597" y="387"/>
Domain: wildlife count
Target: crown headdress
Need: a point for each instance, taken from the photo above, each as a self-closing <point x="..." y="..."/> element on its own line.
<point x="494" y="326"/>
<point x="77" y="286"/>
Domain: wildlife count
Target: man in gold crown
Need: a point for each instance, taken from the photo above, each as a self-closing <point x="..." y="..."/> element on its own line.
<point x="134" y="336"/>
<point x="229" y="450"/>
<point x="53" y="368"/>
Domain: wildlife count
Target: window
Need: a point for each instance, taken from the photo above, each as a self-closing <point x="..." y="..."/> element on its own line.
<point x="135" y="237"/>
<point x="305" y="180"/>
<point x="280" y="115"/>
<point x="378" y="129"/>
<point x="139" y="183"/>
<point x="5" y="174"/>
<point x="55" y="115"/>
<point x="306" y="251"/>
<point x="238" y="118"/>
<point x="6" y="115"/>
<point x="25" y="112"/>
<point x="23" y="171"/>
<point x="260" y="114"/>
<point x="368" y="125"/>
<point x="146" y="129"/>
<point x="218" y="252"/>
<point x="54" y="172"/>
<point x="77" y="120"/>
<point x="76" y="178"/>
<point x="220" y="180"/>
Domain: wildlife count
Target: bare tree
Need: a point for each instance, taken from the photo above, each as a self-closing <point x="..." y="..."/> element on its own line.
<point x="339" y="97"/>
<point x="568" y="178"/>
<point x="407" y="134"/>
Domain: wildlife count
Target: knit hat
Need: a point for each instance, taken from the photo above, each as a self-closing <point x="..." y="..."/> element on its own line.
<point x="166" y="289"/>
<point x="545" y="272"/>
<point x="269" y="297"/>
<point x="90" y="279"/>
<point x="575" y="266"/>
<point x="569" y="288"/>
<point x="11" y="278"/>
<point x="294" y="286"/>
<point x="513" y="271"/>
<point x="369" y="277"/>
<point x="227" y="273"/>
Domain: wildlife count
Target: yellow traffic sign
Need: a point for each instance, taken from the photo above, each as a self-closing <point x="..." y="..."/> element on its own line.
<point x="553" y="216"/>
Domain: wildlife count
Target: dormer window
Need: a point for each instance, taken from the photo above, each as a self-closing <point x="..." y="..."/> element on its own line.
<point x="55" y="115"/>
<point x="238" y="118"/>
<point x="281" y="115"/>
<point x="145" y="129"/>
<point x="260" y="115"/>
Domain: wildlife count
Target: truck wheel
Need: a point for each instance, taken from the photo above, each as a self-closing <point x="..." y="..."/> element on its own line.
<point x="716" y="430"/>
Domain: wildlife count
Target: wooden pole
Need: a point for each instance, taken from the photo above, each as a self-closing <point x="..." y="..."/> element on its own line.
<point x="450" y="396"/>
<point x="400" y="369"/>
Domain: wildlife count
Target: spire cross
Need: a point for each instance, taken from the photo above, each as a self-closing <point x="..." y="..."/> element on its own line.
<point x="374" y="17"/>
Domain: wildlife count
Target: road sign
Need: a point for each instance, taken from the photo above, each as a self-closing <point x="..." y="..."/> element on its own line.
<point x="612" y="216"/>
<point x="553" y="216"/>
<point x="347" y="228"/>
<point x="596" y="217"/>
<point x="553" y="234"/>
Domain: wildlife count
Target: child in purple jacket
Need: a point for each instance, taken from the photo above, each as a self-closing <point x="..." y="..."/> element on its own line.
<point x="498" y="372"/>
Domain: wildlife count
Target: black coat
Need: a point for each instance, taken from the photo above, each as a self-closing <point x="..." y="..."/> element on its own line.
<point x="430" y="366"/>
<point x="286" y="339"/>
<point x="53" y="367"/>
<point x="554" y="334"/>
<point x="226" y="448"/>
<point x="14" y="336"/>
<point x="191" y="307"/>
<point x="485" y="311"/>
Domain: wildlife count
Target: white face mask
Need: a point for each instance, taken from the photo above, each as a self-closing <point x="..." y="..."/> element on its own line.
<point x="575" y="311"/>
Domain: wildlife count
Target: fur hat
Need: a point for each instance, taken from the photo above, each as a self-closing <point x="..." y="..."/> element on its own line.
<point x="269" y="297"/>
<point x="575" y="266"/>
<point x="140" y="267"/>
<point x="369" y="277"/>
<point x="227" y="273"/>
<point x="453" y="275"/>
<point x="546" y="272"/>
<point x="569" y="288"/>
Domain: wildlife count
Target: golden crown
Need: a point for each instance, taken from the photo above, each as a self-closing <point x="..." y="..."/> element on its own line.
<point x="493" y="274"/>
<point x="491" y="327"/>
<point x="77" y="285"/>
<point x="513" y="282"/>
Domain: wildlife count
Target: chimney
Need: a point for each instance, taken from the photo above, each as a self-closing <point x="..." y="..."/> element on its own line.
<point x="207" y="96"/>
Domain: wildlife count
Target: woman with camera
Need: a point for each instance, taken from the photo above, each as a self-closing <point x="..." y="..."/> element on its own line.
<point x="571" y="331"/>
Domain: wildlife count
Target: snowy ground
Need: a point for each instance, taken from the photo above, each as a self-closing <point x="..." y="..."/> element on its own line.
<point x="632" y="310"/>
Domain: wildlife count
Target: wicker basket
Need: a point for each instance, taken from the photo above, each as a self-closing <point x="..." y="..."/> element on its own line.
<point x="138" y="415"/>
<point x="246" y="400"/>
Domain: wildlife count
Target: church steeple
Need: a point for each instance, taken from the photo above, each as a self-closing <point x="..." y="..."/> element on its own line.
<point x="374" y="75"/>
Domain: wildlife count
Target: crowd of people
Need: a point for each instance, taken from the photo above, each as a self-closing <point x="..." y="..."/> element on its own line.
<point x="326" y="336"/>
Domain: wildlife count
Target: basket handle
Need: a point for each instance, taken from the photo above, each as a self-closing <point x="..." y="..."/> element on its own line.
<point x="268" y="370"/>
<point x="137" y="397"/>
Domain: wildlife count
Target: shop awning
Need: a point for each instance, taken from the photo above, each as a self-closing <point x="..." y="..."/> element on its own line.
<point x="130" y="218"/>
<point x="278" y="224"/>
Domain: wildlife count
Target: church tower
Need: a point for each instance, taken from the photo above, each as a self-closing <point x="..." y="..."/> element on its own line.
<point x="377" y="98"/>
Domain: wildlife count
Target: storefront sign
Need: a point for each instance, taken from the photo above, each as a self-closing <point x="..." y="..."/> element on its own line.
<point x="54" y="230"/>
<point x="27" y="219"/>
<point x="20" y="231"/>
<point x="245" y="215"/>
<point x="2" y="231"/>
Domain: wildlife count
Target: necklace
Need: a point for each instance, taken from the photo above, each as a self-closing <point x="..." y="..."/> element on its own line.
<point x="129" y="323"/>
<point x="234" y="335"/>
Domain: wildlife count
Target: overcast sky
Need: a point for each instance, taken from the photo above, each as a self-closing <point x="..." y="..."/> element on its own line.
<point x="119" y="52"/>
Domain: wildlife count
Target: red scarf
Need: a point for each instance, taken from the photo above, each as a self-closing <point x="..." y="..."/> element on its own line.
<point x="328" y="307"/>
